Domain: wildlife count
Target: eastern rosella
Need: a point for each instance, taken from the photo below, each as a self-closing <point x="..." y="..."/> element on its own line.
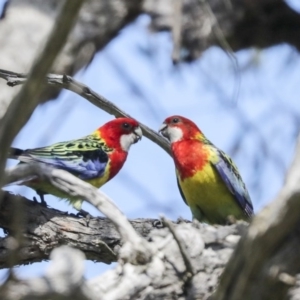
<point x="208" y="180"/>
<point x="95" y="158"/>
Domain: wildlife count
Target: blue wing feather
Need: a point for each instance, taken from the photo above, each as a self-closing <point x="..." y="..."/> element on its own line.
<point x="89" y="169"/>
<point x="231" y="177"/>
<point x="86" y="158"/>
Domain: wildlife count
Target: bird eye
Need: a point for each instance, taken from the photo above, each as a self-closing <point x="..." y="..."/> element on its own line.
<point x="175" y="120"/>
<point x="126" y="125"/>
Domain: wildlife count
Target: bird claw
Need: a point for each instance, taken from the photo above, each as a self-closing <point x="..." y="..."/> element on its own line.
<point x="83" y="213"/>
<point x="86" y="215"/>
<point x="42" y="202"/>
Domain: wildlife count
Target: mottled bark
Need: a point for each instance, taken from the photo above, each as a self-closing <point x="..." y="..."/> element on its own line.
<point x="232" y="25"/>
<point x="45" y="229"/>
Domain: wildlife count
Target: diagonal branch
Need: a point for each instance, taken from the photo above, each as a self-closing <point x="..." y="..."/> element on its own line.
<point x="269" y="252"/>
<point x="27" y="99"/>
<point x="137" y="250"/>
<point x="187" y="261"/>
<point x="84" y="91"/>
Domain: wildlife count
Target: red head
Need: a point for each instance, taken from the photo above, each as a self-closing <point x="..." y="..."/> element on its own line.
<point x="177" y="128"/>
<point x="121" y="133"/>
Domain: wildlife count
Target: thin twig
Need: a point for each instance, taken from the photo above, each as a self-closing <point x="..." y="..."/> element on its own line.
<point x="184" y="254"/>
<point x="224" y="44"/>
<point x="84" y="91"/>
<point x="176" y="30"/>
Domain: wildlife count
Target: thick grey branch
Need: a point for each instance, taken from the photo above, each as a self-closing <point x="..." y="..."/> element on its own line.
<point x="44" y="229"/>
<point x="64" y="279"/>
<point x="230" y="24"/>
<point x="270" y="250"/>
<point x="163" y="277"/>
<point x="71" y="84"/>
<point x="28" y="98"/>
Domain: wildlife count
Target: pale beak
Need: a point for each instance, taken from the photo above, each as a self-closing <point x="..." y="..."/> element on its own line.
<point x="163" y="130"/>
<point x="138" y="134"/>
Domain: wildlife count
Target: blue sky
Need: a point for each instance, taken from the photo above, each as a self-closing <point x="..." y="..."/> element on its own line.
<point x="257" y="128"/>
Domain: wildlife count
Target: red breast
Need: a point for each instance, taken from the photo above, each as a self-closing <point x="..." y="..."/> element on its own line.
<point x="190" y="156"/>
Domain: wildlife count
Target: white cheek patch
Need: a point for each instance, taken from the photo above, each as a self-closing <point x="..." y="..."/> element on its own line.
<point x="126" y="141"/>
<point x="175" y="134"/>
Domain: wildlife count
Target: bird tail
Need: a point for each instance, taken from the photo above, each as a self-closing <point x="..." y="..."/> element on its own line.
<point x="14" y="153"/>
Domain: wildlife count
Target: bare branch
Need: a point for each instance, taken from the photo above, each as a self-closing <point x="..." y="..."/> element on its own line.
<point x="186" y="259"/>
<point x="176" y="30"/>
<point x="44" y="229"/>
<point x="244" y="24"/>
<point x="161" y="278"/>
<point x="71" y="84"/>
<point x="27" y="99"/>
<point x="64" y="279"/>
<point x="137" y="250"/>
<point x="269" y="250"/>
<point x="164" y="276"/>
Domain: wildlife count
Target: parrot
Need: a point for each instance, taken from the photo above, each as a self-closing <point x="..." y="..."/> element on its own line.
<point x="208" y="180"/>
<point x="95" y="158"/>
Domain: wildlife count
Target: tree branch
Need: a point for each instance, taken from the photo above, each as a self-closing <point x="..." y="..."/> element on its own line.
<point x="44" y="229"/>
<point x="269" y="252"/>
<point x="163" y="277"/>
<point x="84" y="91"/>
<point x="243" y="24"/>
<point x="27" y="99"/>
<point x="263" y="266"/>
<point x="64" y="279"/>
<point x="189" y="267"/>
<point x="137" y="250"/>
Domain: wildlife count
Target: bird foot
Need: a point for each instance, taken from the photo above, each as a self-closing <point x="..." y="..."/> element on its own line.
<point x="83" y="213"/>
<point x="231" y="220"/>
<point x="86" y="215"/>
<point x="42" y="202"/>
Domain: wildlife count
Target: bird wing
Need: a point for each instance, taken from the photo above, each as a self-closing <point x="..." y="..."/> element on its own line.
<point x="231" y="177"/>
<point x="87" y="157"/>
<point x="181" y="192"/>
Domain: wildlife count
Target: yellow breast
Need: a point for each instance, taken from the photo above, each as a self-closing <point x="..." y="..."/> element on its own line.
<point x="208" y="196"/>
